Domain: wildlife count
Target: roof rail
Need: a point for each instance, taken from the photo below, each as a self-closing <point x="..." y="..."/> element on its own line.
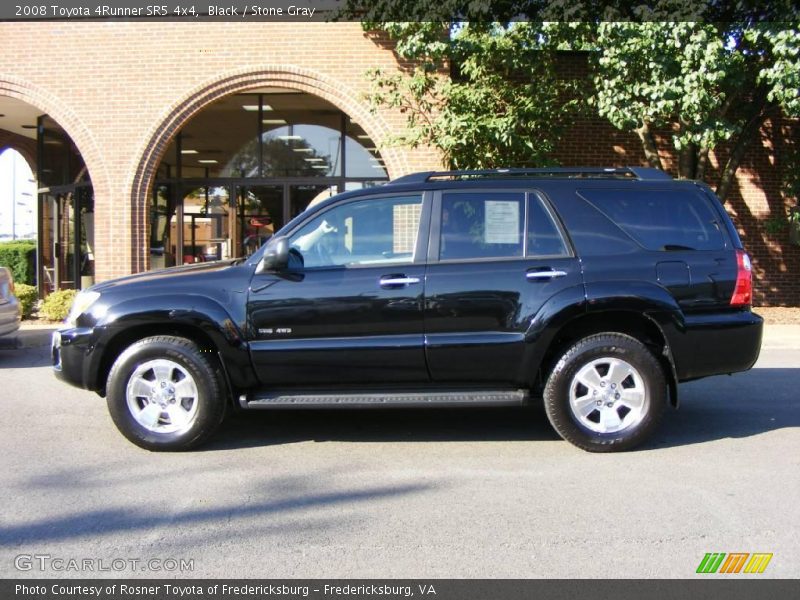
<point x="640" y="173"/>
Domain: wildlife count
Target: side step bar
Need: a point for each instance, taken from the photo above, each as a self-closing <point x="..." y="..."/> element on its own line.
<point x="306" y="399"/>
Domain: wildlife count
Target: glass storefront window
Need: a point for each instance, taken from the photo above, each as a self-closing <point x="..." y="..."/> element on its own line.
<point x="245" y="165"/>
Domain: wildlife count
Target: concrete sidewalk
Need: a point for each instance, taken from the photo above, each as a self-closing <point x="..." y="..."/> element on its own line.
<point x="31" y="335"/>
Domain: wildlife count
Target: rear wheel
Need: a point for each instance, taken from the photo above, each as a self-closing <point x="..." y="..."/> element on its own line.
<point x="165" y="393"/>
<point x="606" y="393"/>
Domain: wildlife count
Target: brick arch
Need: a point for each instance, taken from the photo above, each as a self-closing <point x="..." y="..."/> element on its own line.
<point x="241" y="80"/>
<point x="51" y="105"/>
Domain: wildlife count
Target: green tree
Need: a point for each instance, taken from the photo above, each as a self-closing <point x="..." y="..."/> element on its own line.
<point x="704" y="83"/>
<point x="485" y="94"/>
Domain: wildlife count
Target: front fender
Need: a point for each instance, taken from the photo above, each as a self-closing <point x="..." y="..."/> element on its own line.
<point x="176" y="312"/>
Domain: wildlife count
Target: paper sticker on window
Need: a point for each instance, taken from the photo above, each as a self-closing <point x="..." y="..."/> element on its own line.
<point x="501" y="222"/>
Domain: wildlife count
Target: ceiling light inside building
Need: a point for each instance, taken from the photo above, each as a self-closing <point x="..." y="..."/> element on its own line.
<point x="314" y="159"/>
<point x="207" y="161"/>
<point x="290" y="137"/>
<point x="320" y="167"/>
<point x="189" y="151"/>
<point x="273" y="121"/>
<point x="254" y="107"/>
<point x="303" y="149"/>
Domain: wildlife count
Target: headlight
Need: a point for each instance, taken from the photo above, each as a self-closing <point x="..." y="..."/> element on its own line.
<point x="83" y="301"/>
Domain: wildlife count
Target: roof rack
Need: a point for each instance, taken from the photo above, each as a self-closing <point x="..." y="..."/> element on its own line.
<point x="639" y="173"/>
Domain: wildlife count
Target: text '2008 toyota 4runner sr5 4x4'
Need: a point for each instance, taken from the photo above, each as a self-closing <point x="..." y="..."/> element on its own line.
<point x="596" y="290"/>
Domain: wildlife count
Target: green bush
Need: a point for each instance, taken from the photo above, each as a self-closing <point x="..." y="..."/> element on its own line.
<point x="27" y="296"/>
<point x="20" y="257"/>
<point x="56" y="306"/>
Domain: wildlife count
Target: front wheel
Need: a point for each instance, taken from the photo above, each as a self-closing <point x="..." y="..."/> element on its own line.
<point x="607" y="393"/>
<point x="165" y="393"/>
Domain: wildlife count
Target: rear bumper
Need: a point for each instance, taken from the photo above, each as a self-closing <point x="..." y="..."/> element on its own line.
<point x="71" y="353"/>
<point x="9" y="317"/>
<point x="717" y="344"/>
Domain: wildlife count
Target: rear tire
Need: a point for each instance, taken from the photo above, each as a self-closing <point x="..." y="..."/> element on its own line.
<point x="166" y="394"/>
<point x="607" y="393"/>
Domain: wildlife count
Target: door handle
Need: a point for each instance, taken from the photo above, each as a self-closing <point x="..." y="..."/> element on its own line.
<point x="542" y="275"/>
<point x="397" y="280"/>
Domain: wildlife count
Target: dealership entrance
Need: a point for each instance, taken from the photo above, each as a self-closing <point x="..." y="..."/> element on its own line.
<point x="246" y="165"/>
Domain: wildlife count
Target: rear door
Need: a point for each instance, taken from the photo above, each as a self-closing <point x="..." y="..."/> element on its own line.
<point x="495" y="257"/>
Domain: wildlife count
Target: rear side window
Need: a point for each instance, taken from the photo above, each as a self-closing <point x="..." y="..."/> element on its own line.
<point x="660" y="219"/>
<point x="482" y="225"/>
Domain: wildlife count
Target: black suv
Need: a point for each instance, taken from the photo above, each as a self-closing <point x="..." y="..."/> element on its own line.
<point x="596" y="290"/>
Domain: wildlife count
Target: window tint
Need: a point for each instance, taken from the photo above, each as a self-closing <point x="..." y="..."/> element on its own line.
<point x="661" y="220"/>
<point x="544" y="238"/>
<point x="481" y="225"/>
<point x="375" y="231"/>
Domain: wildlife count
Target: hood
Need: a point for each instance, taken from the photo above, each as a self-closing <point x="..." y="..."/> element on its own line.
<point x="171" y="274"/>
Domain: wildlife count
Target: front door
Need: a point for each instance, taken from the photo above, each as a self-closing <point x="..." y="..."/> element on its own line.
<point x="496" y="257"/>
<point x="352" y="313"/>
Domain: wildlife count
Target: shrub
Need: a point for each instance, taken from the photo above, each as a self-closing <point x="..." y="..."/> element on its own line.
<point x="20" y="257"/>
<point x="56" y="306"/>
<point x="27" y="296"/>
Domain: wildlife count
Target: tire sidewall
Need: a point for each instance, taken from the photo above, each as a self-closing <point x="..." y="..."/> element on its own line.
<point x="188" y="356"/>
<point x="557" y="392"/>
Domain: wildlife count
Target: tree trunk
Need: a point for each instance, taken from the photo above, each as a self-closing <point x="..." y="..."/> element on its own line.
<point x="748" y="134"/>
<point x="649" y="145"/>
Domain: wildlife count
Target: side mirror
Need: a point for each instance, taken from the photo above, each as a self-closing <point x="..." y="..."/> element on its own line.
<point x="276" y="256"/>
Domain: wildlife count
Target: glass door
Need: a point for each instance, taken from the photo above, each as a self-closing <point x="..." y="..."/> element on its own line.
<point x="258" y="215"/>
<point x="301" y="196"/>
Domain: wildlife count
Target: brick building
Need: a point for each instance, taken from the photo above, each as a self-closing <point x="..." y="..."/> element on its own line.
<point x="163" y="143"/>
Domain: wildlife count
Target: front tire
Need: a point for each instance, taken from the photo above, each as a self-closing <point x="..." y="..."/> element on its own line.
<point x="165" y="394"/>
<point x="607" y="393"/>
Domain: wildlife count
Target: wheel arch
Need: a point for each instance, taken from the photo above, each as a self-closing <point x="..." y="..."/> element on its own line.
<point x="638" y="324"/>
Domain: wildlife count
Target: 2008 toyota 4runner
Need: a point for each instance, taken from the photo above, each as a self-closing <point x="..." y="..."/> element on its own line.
<point x="596" y="290"/>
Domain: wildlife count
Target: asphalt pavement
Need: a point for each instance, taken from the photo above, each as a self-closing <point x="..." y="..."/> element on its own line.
<point x="389" y="494"/>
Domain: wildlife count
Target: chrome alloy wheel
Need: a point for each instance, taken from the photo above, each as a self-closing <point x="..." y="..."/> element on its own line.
<point x="162" y="396"/>
<point x="608" y="395"/>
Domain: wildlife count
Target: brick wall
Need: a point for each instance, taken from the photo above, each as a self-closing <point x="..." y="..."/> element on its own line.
<point x="753" y="202"/>
<point x="123" y="89"/>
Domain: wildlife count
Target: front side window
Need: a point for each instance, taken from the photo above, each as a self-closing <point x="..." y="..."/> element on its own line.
<point x="374" y="231"/>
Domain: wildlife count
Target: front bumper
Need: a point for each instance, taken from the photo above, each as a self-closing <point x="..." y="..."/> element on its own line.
<point x="71" y="351"/>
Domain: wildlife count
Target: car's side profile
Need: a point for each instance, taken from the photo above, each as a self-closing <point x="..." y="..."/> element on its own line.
<point x="595" y="290"/>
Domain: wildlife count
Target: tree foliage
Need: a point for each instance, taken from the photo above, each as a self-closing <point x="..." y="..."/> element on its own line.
<point x="706" y="83"/>
<point x="487" y="93"/>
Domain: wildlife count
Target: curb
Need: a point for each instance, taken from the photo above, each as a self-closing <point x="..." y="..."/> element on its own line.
<point x="31" y="338"/>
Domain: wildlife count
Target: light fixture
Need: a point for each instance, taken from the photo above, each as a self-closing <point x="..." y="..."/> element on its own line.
<point x="363" y="136"/>
<point x="273" y="121"/>
<point x="254" y="107"/>
<point x="320" y="167"/>
<point x="290" y="137"/>
<point x="303" y="149"/>
<point x="372" y="149"/>
<point x="188" y="151"/>
<point x="207" y="161"/>
<point x="314" y="159"/>
<point x="377" y="166"/>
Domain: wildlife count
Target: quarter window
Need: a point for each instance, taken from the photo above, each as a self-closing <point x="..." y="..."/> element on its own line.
<point x="661" y="220"/>
<point x="544" y="238"/>
<point x="376" y="231"/>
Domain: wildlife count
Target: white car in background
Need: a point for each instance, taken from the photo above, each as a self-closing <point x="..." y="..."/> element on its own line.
<point x="10" y="312"/>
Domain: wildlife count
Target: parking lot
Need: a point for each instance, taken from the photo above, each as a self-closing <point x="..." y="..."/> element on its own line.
<point x="468" y="493"/>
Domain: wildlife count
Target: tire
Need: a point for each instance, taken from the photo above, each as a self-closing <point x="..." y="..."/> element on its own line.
<point x="166" y="394"/>
<point x="607" y="393"/>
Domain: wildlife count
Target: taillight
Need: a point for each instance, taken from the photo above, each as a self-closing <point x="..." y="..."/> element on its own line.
<point x="743" y="292"/>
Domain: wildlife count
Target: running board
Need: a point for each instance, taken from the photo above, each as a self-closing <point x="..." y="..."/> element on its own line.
<point x="305" y="399"/>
